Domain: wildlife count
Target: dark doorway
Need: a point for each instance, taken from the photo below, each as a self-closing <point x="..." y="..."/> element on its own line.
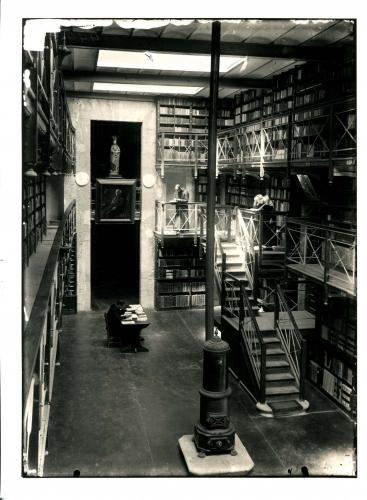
<point x="115" y="247"/>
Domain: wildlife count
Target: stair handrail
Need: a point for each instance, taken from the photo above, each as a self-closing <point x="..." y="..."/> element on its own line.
<point x="246" y="242"/>
<point x="249" y="331"/>
<point x="293" y="343"/>
<point x="40" y="341"/>
<point x="255" y="345"/>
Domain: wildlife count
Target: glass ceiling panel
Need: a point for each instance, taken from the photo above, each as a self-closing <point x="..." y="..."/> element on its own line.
<point x="163" y="61"/>
<point x="151" y="89"/>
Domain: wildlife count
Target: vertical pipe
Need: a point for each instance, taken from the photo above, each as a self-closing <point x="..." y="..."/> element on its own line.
<point x="303" y="369"/>
<point x="211" y="173"/>
<point x="263" y="374"/>
<point x="223" y="287"/>
<point x="163" y="216"/>
<point x="276" y="308"/>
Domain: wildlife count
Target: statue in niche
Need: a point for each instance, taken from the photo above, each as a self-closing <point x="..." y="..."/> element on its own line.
<point x="114" y="158"/>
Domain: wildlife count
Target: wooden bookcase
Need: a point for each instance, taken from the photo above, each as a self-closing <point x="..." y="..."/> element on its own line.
<point x="332" y="353"/>
<point x="180" y="275"/>
<point x="48" y="137"/>
<point x="182" y="130"/>
<point x="241" y="191"/>
<point x="34" y="214"/>
<point x="201" y="187"/>
<point x="283" y="93"/>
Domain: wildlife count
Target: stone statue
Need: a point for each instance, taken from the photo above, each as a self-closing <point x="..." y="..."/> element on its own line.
<point x="114" y="158"/>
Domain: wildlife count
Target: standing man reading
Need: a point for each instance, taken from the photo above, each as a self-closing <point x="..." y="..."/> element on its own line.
<point x="181" y="197"/>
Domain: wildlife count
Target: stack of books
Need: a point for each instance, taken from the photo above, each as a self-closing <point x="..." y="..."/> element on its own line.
<point x="133" y="313"/>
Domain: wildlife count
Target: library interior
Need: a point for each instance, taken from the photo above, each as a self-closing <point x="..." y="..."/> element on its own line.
<point x="189" y="252"/>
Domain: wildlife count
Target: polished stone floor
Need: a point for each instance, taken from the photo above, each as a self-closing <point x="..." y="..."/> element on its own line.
<point x="121" y="415"/>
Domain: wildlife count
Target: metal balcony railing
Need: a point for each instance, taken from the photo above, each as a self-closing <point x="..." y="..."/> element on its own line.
<point x="40" y="346"/>
<point x="324" y="252"/>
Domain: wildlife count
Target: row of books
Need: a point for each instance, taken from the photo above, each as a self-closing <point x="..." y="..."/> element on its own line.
<point x="167" y="301"/>
<point x="172" y="274"/>
<point x="251" y="116"/>
<point x="276" y="135"/>
<point x="177" y="301"/>
<point x="177" y="129"/>
<point x="225" y="122"/>
<point x="310" y="114"/>
<point x="249" y="106"/>
<point x="246" y="96"/>
<point x="338" y="367"/>
<point x="276" y="193"/>
<point x="337" y="389"/>
<point x="282" y="106"/>
<point x="282" y="93"/>
<point x="178" y="120"/>
<point x="182" y="101"/>
<point x="311" y="98"/>
<point x="179" y="287"/>
<point x="278" y="182"/>
<point x="178" y="142"/>
<point x="276" y="121"/>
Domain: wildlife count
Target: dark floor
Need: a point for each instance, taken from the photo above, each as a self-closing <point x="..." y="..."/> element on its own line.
<point x="121" y="415"/>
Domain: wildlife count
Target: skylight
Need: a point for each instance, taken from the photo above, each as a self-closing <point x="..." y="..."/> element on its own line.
<point x="151" y="89"/>
<point x="163" y="61"/>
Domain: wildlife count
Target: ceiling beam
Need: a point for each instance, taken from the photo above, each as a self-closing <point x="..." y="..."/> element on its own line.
<point x="149" y="79"/>
<point x="110" y="95"/>
<point x="76" y="39"/>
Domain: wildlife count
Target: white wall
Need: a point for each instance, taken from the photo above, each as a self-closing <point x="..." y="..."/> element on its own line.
<point x="82" y="112"/>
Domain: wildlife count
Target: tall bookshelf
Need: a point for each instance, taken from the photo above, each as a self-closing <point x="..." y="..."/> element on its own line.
<point x="241" y="191"/>
<point x="34" y="214"/>
<point x="180" y="275"/>
<point x="201" y="187"/>
<point x="332" y="352"/>
<point x="182" y="126"/>
<point x="48" y="137"/>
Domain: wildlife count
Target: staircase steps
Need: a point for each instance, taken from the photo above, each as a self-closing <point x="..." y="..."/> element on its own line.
<point x="279" y="379"/>
<point x="272" y="351"/>
<point x="276" y="364"/>
<point x="285" y="407"/>
<point x="271" y="342"/>
<point x="285" y="389"/>
<point x="283" y="393"/>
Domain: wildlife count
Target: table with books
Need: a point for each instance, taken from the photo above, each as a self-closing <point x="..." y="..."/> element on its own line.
<point x="133" y="321"/>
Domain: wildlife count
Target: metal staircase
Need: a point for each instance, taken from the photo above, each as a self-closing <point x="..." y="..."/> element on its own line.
<point x="268" y="354"/>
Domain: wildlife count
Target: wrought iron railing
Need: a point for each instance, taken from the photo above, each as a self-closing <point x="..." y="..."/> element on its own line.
<point x="236" y="304"/>
<point x="40" y="346"/>
<point x="177" y="218"/>
<point x="293" y="343"/>
<point x="247" y="235"/>
<point x="252" y="339"/>
<point x="326" y="252"/>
